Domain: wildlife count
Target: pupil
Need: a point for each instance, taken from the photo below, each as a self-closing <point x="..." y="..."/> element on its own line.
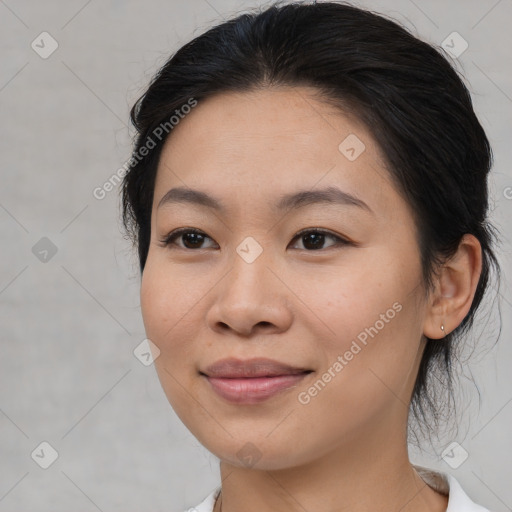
<point x="192" y="235"/>
<point x="318" y="242"/>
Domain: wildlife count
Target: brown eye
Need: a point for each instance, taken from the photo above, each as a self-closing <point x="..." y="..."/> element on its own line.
<point x="314" y="239"/>
<point x="191" y="238"/>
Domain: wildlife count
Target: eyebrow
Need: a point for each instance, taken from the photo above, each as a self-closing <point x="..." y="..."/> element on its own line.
<point x="294" y="200"/>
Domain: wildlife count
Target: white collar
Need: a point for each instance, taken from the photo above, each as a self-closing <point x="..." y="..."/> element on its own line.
<point x="447" y="484"/>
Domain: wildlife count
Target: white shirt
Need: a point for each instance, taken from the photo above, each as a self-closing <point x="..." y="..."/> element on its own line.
<point x="458" y="500"/>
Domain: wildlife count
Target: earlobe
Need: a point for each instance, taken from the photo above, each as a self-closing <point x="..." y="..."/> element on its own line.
<point x="455" y="288"/>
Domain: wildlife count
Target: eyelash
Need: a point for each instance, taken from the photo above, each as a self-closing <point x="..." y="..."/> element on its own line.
<point x="171" y="237"/>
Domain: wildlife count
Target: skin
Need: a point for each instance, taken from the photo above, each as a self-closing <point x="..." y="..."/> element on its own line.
<point x="346" y="449"/>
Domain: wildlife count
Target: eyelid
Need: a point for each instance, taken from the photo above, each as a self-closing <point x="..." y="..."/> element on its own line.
<point x="173" y="235"/>
<point x="340" y="240"/>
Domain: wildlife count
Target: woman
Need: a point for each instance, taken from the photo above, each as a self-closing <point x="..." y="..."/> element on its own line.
<point x="308" y="196"/>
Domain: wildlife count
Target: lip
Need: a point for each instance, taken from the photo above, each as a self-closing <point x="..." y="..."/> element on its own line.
<point x="253" y="380"/>
<point x="253" y="390"/>
<point x="232" y="368"/>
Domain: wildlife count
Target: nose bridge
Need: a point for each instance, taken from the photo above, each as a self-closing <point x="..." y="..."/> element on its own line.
<point x="249" y="271"/>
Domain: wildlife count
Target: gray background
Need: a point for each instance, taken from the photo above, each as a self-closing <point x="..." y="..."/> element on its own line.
<point x="69" y="325"/>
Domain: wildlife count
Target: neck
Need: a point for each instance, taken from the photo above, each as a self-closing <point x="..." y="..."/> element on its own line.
<point x="357" y="478"/>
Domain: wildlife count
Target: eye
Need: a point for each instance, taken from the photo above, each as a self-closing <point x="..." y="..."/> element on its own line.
<point x="312" y="239"/>
<point x="194" y="238"/>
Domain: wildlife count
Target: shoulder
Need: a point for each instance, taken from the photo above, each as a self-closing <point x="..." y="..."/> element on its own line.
<point x="459" y="501"/>
<point x="445" y="483"/>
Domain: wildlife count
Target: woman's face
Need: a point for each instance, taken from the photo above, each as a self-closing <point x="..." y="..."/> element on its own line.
<point x="346" y="304"/>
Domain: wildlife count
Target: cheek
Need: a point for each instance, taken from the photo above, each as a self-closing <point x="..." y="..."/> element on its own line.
<point x="172" y="302"/>
<point x="368" y="314"/>
<point x="155" y="304"/>
<point x="166" y="297"/>
<point x="367" y="361"/>
<point x="168" y="315"/>
<point x="348" y="301"/>
<point x="163" y="304"/>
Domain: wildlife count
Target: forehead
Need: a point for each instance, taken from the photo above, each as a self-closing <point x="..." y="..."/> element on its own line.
<point x="269" y="141"/>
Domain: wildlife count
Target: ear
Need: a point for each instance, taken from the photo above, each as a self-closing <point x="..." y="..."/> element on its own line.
<point x="455" y="288"/>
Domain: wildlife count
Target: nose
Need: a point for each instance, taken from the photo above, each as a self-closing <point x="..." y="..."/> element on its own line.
<point x="250" y="300"/>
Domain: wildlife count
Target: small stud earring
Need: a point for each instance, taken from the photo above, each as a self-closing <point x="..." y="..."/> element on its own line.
<point x="442" y="329"/>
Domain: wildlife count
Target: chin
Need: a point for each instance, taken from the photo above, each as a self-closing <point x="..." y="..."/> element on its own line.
<point x="253" y="452"/>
